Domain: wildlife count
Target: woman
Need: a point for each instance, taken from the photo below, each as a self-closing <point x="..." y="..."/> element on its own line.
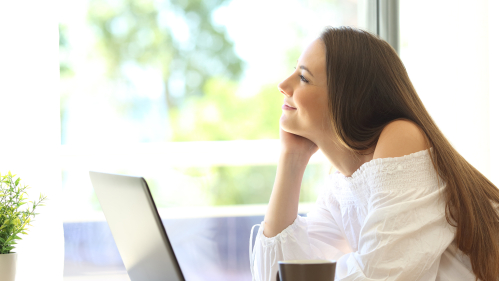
<point x="403" y="205"/>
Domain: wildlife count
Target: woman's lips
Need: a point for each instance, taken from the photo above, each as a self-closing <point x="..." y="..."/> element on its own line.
<point x="287" y="107"/>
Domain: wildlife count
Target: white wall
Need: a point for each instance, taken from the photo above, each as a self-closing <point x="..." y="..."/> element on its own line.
<point x="494" y="89"/>
<point x="30" y="126"/>
<point x="448" y="49"/>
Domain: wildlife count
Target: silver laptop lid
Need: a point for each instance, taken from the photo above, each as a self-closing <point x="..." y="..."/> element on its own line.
<point x="136" y="227"/>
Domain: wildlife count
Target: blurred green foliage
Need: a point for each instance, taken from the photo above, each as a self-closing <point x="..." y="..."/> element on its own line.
<point x="253" y="184"/>
<point x="222" y="115"/>
<point x="206" y="108"/>
<point x="176" y="36"/>
<point x="248" y="184"/>
<point x="64" y="67"/>
<point x="65" y="71"/>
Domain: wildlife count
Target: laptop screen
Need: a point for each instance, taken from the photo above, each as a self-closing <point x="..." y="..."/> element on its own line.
<point x="136" y="227"/>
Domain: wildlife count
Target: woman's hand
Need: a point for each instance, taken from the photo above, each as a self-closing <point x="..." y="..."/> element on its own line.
<point x="295" y="144"/>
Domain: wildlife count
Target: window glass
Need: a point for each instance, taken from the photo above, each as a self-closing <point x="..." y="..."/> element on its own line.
<point x="183" y="93"/>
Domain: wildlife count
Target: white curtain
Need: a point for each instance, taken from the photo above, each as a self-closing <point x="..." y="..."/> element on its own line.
<point x="30" y="127"/>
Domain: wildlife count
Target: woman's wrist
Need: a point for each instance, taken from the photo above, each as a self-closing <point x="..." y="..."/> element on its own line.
<point x="293" y="165"/>
<point x="283" y="204"/>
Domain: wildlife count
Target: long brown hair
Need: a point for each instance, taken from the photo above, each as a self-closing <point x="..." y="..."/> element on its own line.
<point x="368" y="88"/>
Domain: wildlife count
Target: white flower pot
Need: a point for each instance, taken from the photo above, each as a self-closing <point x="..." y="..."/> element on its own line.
<point x="8" y="267"/>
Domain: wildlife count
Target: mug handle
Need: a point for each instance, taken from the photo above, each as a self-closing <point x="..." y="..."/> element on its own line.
<point x="277" y="277"/>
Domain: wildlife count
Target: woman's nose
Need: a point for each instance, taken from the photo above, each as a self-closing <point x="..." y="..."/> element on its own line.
<point x="282" y="88"/>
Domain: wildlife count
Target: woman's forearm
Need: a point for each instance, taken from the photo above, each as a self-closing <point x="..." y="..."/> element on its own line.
<point x="283" y="205"/>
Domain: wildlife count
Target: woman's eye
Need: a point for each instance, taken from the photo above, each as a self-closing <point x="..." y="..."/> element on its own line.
<point x="302" y="78"/>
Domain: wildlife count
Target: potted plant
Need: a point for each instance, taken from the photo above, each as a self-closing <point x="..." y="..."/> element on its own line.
<point x="14" y="218"/>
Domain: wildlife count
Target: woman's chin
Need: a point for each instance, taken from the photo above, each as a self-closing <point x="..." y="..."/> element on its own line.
<point x="287" y="127"/>
<point x="285" y="120"/>
<point x="284" y="123"/>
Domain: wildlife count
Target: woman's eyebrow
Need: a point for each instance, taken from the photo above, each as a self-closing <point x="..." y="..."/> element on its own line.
<point x="305" y="68"/>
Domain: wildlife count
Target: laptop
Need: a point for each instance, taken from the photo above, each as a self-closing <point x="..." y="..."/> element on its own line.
<point x="136" y="227"/>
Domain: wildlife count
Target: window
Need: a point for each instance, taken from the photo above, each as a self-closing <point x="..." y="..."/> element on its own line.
<point x="182" y="93"/>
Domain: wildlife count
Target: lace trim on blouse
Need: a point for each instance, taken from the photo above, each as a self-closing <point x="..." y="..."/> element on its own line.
<point x="385" y="175"/>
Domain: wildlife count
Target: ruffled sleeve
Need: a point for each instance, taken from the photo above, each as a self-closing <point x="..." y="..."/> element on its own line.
<point x="316" y="236"/>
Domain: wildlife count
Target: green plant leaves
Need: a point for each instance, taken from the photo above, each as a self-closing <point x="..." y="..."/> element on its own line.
<point x="14" y="221"/>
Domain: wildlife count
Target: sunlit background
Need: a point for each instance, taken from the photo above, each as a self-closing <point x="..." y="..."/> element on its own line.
<point x="184" y="93"/>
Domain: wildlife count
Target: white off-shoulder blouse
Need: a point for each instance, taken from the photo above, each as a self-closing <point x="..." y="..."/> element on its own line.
<point x="385" y="222"/>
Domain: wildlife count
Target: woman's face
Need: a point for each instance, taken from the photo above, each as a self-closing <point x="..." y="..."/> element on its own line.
<point x="305" y="109"/>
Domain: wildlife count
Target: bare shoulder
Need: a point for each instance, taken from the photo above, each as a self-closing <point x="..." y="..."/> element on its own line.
<point x="399" y="138"/>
